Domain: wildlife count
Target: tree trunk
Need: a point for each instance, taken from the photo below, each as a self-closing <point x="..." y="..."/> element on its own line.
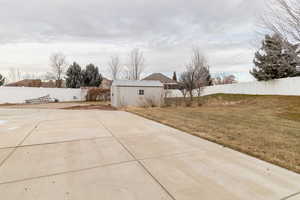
<point x="199" y="95"/>
<point x="191" y="95"/>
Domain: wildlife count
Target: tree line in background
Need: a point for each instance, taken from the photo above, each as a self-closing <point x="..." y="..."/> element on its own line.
<point x="90" y="76"/>
<point x="77" y="77"/>
<point x="279" y="55"/>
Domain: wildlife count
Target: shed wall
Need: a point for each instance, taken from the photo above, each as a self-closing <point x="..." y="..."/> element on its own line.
<point x="129" y="96"/>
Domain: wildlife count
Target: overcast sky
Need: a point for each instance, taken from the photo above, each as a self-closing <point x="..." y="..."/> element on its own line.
<point x="91" y="31"/>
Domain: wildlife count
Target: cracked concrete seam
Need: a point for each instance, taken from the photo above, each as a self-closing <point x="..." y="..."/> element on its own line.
<point x="20" y="143"/>
<point x="290" y="196"/>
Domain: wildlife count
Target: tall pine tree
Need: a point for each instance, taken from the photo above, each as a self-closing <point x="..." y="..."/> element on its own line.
<point x="276" y="59"/>
<point x="174" y="76"/>
<point x="91" y="76"/>
<point x="74" y="76"/>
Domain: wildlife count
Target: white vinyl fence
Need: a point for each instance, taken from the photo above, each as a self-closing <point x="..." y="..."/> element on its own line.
<point x="20" y="94"/>
<point x="286" y="86"/>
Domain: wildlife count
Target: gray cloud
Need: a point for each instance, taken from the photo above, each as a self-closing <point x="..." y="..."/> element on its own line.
<point x="165" y="29"/>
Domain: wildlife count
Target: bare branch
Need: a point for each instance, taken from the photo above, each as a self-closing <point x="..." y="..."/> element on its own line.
<point x="197" y="74"/>
<point x="58" y="64"/>
<point x="115" y="67"/>
<point x="137" y="64"/>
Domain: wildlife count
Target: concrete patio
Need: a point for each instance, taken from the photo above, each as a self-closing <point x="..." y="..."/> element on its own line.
<point x="114" y="155"/>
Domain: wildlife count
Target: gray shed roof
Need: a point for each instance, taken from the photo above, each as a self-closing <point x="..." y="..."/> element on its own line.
<point x="127" y="83"/>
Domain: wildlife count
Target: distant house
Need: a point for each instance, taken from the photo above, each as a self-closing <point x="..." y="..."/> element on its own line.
<point x="32" y="83"/>
<point x="136" y="93"/>
<point x="166" y="81"/>
<point x="106" y="83"/>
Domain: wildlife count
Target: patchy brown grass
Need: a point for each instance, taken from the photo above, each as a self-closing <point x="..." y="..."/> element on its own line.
<point x="267" y="127"/>
<point x="90" y="107"/>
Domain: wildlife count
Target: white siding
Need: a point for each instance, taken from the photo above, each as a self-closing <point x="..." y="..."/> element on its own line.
<point x="20" y="94"/>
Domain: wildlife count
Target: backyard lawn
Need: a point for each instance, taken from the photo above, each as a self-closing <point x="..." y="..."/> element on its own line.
<point x="267" y="127"/>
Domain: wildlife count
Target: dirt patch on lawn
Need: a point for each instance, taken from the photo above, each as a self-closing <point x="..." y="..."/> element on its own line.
<point x="90" y="107"/>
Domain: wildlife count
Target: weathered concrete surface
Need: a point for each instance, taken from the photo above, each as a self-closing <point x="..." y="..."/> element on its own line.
<point x="13" y="132"/>
<point x="66" y="130"/>
<point x="124" y="181"/>
<point x="64" y="157"/>
<point x="16" y="125"/>
<point x="129" y="124"/>
<point x="163" y="144"/>
<point x="222" y="175"/>
<point x="61" y="154"/>
<point x="4" y="153"/>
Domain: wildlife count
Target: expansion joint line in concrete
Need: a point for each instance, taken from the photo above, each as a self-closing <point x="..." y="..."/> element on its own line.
<point x="67" y="172"/>
<point x="66" y="141"/>
<point x="290" y="196"/>
<point x="140" y="163"/>
<point x="20" y="143"/>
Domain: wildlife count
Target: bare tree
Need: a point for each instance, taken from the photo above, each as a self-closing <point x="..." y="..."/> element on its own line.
<point x="58" y="64"/>
<point x="125" y="73"/>
<point x="283" y="18"/>
<point x="196" y="76"/>
<point x="183" y="84"/>
<point x="202" y="73"/>
<point x="137" y="64"/>
<point x="115" y="67"/>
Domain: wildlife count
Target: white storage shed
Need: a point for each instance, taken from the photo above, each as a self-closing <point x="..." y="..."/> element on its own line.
<point x="136" y="93"/>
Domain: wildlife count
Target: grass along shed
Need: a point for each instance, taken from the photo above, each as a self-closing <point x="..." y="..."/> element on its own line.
<point x="136" y="93"/>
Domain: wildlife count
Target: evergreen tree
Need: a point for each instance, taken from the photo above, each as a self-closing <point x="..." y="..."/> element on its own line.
<point x="74" y="76"/>
<point x="2" y="80"/>
<point x="174" y="76"/>
<point x="209" y="80"/>
<point x="276" y="59"/>
<point x="91" y="76"/>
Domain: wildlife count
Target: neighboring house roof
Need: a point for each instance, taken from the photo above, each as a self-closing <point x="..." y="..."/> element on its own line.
<point x="49" y="84"/>
<point x="160" y="77"/>
<point x="142" y="83"/>
<point x="32" y="83"/>
<point x="106" y="80"/>
<point x="26" y="83"/>
<point x="106" y="83"/>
